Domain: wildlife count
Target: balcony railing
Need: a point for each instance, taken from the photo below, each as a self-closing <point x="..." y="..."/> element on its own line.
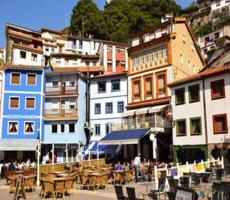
<point x="61" y="90"/>
<point x="159" y="123"/>
<point x="61" y="114"/>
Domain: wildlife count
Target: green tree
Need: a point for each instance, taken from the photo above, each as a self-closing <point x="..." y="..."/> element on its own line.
<point x="204" y="29"/>
<point x="86" y="19"/>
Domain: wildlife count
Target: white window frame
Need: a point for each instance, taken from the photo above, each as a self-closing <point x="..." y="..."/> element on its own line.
<point x="11" y="78"/>
<point x="18" y="103"/>
<point x="69" y="128"/>
<point x="8" y="128"/>
<point x="35" y="79"/>
<point x="29" y="133"/>
<point x="27" y="97"/>
<point x="95" y="129"/>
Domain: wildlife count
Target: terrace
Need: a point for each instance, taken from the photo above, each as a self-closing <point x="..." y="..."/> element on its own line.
<point x="61" y="90"/>
<point x="61" y="114"/>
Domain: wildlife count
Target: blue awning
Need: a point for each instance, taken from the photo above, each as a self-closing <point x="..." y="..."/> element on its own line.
<point x="124" y="137"/>
<point x="101" y="148"/>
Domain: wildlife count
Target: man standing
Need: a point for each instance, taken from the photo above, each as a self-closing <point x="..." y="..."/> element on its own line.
<point x="137" y="162"/>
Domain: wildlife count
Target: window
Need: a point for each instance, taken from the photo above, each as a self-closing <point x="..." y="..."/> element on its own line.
<point x="148" y="88"/>
<point x="80" y="44"/>
<point x="109" y="64"/>
<point x="55" y="84"/>
<point x="97" y="108"/>
<point x="31" y="79"/>
<point x="14" y="102"/>
<point x="217" y="89"/>
<point x="108" y="108"/>
<point x="15" y="78"/>
<point x="183" y="38"/>
<point x="13" y="127"/>
<point x="161" y="84"/>
<point x="194" y="93"/>
<point x="181" y="59"/>
<point x="62" y="128"/>
<point x="23" y="54"/>
<point x="220" y="124"/>
<point x="30" y="103"/>
<point x="115" y="85"/>
<point x="107" y="129"/>
<point x="97" y="129"/>
<point x="195" y="126"/>
<point x="72" y="83"/>
<point x="102" y="86"/>
<point x="217" y="2"/>
<point x="181" y="127"/>
<point x="136" y="90"/>
<point x="179" y="96"/>
<point x="29" y="127"/>
<point x="54" y="128"/>
<point x="72" y="128"/>
<point x="120" y="106"/>
<point x="217" y="34"/>
<point x="34" y="57"/>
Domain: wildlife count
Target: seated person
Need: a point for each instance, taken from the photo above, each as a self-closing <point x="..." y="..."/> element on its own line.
<point x="118" y="167"/>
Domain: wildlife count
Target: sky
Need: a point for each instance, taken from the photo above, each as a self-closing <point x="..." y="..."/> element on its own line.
<point x="37" y="14"/>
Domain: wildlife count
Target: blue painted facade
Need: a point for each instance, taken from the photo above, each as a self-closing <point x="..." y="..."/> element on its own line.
<point x="56" y="104"/>
<point x="21" y="114"/>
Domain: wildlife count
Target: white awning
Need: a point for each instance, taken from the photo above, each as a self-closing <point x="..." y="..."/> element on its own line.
<point x="128" y="113"/>
<point x="156" y="109"/>
<point x="18" y="144"/>
<point x="142" y="111"/>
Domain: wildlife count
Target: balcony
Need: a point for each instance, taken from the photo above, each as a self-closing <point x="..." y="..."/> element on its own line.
<point x="61" y="114"/>
<point x="156" y="123"/>
<point x="61" y="90"/>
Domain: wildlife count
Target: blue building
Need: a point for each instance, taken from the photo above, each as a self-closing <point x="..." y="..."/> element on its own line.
<point x="64" y="115"/>
<point x="21" y="111"/>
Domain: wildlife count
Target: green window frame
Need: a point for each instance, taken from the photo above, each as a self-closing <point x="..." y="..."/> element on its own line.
<point x="197" y="130"/>
<point x="180" y="96"/>
<point x="192" y="87"/>
<point x="178" y="122"/>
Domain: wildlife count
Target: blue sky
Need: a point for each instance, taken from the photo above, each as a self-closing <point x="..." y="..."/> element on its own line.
<point x="36" y="14"/>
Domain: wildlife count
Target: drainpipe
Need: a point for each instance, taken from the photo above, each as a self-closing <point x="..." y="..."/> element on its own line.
<point x="205" y="115"/>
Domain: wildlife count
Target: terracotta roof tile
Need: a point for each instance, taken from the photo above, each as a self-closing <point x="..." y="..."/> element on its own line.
<point x="203" y="74"/>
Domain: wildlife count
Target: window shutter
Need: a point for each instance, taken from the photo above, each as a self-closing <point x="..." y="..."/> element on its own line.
<point x="30" y="103"/>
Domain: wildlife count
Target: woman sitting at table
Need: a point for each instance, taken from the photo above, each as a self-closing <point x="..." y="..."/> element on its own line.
<point x="118" y="167"/>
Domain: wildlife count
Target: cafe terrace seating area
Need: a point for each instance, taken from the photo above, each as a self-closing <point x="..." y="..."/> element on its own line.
<point x="205" y="181"/>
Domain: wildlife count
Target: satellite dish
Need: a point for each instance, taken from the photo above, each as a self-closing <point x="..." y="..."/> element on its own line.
<point x="152" y="137"/>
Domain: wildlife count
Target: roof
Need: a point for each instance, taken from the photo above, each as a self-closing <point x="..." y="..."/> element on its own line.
<point x="110" y="74"/>
<point x="202" y="74"/>
<point x="18" y="144"/>
<point x="51" y="31"/>
<point x="24" y="67"/>
<point x="150" y="43"/>
<point x="124" y="137"/>
<point x="78" y="69"/>
<point x="74" y="55"/>
<point x="22" y="28"/>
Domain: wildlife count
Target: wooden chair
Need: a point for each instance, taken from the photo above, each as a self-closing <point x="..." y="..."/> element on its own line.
<point x="116" y="177"/>
<point x="30" y="182"/>
<point x="119" y="192"/>
<point x="69" y="185"/>
<point x="12" y="182"/>
<point x="84" y="179"/>
<point x="59" y="186"/>
<point x="47" y="187"/>
<point x="127" y="176"/>
<point x="93" y="182"/>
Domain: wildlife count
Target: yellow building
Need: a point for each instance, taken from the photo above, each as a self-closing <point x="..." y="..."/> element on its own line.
<point x="159" y="55"/>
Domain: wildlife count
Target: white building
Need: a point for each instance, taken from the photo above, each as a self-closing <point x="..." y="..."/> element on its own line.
<point x="108" y="100"/>
<point x="220" y="6"/>
<point x="201" y="115"/>
<point x="213" y="41"/>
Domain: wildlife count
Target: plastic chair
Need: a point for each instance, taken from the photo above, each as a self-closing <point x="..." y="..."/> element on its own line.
<point x="132" y="194"/>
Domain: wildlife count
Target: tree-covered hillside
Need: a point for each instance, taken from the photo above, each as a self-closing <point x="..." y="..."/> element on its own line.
<point x="120" y="19"/>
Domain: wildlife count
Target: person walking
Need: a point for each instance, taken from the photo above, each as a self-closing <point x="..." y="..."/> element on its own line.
<point x="137" y="162"/>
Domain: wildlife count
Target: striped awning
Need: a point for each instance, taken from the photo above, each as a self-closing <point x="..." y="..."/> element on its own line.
<point x="18" y="144"/>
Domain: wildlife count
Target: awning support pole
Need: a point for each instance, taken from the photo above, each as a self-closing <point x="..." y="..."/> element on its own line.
<point x="38" y="164"/>
<point x="139" y="147"/>
<point x="66" y="152"/>
<point x="52" y="154"/>
<point x="97" y="151"/>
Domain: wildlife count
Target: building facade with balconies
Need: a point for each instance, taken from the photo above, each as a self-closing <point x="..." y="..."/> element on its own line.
<point x="108" y="100"/>
<point x="158" y="56"/>
<point x="64" y="115"/>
